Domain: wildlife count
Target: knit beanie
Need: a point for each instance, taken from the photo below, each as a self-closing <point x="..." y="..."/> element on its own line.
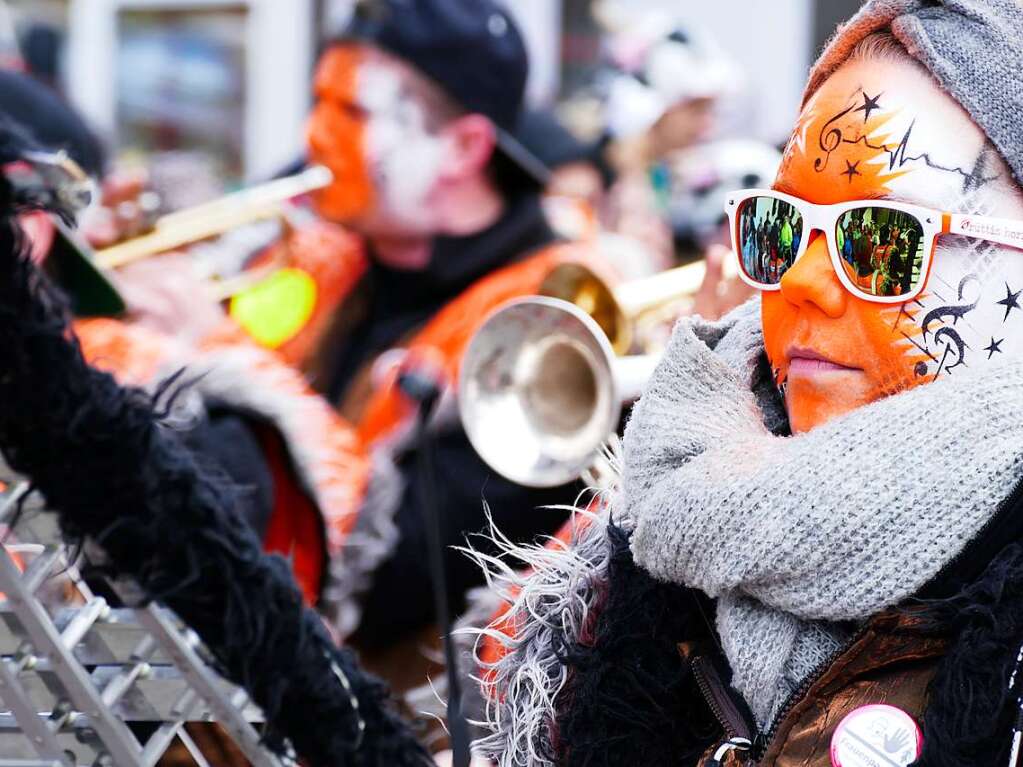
<point x="973" y="48"/>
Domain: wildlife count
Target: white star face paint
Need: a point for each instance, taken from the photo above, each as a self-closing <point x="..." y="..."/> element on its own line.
<point x="969" y="316"/>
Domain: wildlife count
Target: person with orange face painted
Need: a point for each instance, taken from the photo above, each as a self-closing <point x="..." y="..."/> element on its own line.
<point x="815" y="553"/>
<point x="414" y="110"/>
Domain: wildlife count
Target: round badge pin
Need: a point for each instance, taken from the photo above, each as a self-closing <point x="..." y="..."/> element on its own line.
<point x="878" y="735"/>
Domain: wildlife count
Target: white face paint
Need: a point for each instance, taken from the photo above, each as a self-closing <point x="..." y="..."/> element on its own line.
<point x="404" y="157"/>
<point x="968" y="312"/>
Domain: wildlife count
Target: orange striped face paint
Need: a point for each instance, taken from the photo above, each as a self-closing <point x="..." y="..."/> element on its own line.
<point x="370" y="128"/>
<point x="885" y="129"/>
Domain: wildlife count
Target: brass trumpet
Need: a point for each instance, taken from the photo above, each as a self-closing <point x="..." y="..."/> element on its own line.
<point x="544" y="380"/>
<point x="211" y="219"/>
<point x="619" y="311"/>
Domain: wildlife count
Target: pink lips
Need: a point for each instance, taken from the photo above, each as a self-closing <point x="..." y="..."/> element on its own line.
<point x="808" y="362"/>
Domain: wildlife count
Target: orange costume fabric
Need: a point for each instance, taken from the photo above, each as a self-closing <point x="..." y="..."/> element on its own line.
<point x="387" y="417"/>
<point x="320" y="470"/>
<point x="324" y="469"/>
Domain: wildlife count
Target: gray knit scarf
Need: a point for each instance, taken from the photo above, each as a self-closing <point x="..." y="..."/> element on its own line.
<point x="798" y="536"/>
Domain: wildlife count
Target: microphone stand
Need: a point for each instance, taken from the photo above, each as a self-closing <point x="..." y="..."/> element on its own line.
<point x="424" y="390"/>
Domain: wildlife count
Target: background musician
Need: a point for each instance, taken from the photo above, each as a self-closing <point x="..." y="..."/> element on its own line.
<point x="414" y="112"/>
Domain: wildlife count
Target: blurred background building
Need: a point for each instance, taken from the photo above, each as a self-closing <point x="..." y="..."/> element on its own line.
<point x="223" y="86"/>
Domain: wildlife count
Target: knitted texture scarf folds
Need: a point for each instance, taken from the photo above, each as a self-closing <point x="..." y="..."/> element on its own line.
<point x="800" y="537"/>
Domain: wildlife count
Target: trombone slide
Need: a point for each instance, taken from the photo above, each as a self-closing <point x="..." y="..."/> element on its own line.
<point x="215" y="218"/>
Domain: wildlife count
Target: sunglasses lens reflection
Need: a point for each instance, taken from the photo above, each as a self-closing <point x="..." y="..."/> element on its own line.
<point x="882" y="250"/>
<point x="767" y="238"/>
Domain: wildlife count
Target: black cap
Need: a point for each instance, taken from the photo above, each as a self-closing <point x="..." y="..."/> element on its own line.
<point x="543" y="134"/>
<point x="50" y="121"/>
<point x="471" y="48"/>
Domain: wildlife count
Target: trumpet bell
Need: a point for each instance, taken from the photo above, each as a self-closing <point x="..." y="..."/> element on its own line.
<point x="538" y="393"/>
<point x="580" y="285"/>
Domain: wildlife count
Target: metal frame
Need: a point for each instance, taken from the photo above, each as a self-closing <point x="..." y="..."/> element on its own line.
<point x="59" y="690"/>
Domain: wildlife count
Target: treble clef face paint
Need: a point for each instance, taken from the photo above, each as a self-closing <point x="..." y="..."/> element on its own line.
<point x="884" y="129"/>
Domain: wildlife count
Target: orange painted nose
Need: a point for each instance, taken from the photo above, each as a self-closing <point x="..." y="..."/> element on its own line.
<point x="812" y="280"/>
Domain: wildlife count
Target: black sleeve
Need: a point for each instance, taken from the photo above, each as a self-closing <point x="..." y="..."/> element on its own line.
<point x="401" y="600"/>
<point x="225" y="439"/>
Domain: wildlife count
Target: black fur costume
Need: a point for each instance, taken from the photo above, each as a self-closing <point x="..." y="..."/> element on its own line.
<point x="101" y="458"/>
<point x="631" y="701"/>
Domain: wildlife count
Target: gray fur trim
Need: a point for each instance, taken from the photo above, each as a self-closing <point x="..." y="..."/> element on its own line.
<point x="549" y="607"/>
<point x="251" y="379"/>
<point x="372" y="540"/>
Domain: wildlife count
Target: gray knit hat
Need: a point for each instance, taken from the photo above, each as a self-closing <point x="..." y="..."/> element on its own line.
<point x="973" y="48"/>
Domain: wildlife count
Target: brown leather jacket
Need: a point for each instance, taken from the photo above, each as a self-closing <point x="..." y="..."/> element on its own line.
<point x="886" y="662"/>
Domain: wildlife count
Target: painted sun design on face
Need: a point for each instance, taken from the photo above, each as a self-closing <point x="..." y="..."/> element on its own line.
<point x="856" y="134"/>
<point x="883" y="131"/>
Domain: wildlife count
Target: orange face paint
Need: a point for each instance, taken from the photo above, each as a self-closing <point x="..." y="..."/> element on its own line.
<point x="337" y="136"/>
<point x="370" y="126"/>
<point x="874" y="129"/>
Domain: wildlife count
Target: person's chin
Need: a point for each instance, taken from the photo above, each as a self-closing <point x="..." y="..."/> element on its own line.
<point x="814" y="398"/>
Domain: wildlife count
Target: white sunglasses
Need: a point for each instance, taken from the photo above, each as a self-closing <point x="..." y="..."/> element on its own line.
<point x="880" y="250"/>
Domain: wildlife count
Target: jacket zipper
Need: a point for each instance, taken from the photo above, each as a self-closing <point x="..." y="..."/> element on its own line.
<point x="738" y="727"/>
<point x="763" y="741"/>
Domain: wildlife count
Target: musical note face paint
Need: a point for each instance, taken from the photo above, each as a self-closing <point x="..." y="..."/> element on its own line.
<point x="372" y="131"/>
<point x="885" y="129"/>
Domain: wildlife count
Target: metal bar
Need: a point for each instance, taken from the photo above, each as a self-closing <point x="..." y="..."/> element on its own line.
<point x="143" y="651"/>
<point x="202" y="680"/>
<point x="162" y="696"/>
<point x="40" y="568"/>
<point x="10" y="503"/>
<point x="193" y="749"/>
<point x="115" y="640"/>
<point x="84" y="619"/>
<point x="159" y="742"/>
<point x="120" y="684"/>
<point x="35" y="727"/>
<point x="115" y="735"/>
<point x="185" y="704"/>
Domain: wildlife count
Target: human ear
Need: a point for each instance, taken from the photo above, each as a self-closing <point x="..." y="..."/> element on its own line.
<point x="471" y="141"/>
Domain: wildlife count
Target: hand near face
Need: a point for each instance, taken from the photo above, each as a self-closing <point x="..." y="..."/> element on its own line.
<point x="123" y="212"/>
<point x="720" y="292"/>
<point x="885" y="130"/>
<point x="165" y="294"/>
